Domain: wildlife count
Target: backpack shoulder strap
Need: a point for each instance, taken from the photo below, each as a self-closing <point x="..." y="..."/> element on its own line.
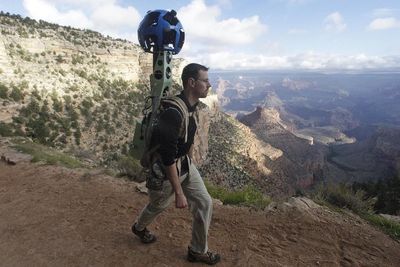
<point x="182" y="108"/>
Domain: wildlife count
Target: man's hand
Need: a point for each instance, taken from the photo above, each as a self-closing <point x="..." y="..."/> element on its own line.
<point x="180" y="201"/>
<point x="172" y="174"/>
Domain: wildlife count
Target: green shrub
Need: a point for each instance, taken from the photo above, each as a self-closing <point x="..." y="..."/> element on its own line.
<point x="37" y="129"/>
<point x="81" y="73"/>
<point x="3" y="91"/>
<point x="78" y="135"/>
<point x="33" y="107"/>
<point x="18" y="119"/>
<point x="74" y="116"/>
<point x="389" y="196"/>
<point x="16" y="94"/>
<point x="23" y="85"/>
<point x="35" y="93"/>
<point x="86" y="105"/>
<point x="45" y="111"/>
<point x="41" y="153"/>
<point x="387" y="193"/>
<point x="76" y="59"/>
<point x="59" y="59"/>
<point x="130" y="167"/>
<point x="342" y="196"/>
<point x="5" y="129"/>
<point x="67" y="100"/>
<point x="248" y="196"/>
<point x="389" y="227"/>
<point x="73" y="88"/>
<point x="88" y="119"/>
<point x="57" y="104"/>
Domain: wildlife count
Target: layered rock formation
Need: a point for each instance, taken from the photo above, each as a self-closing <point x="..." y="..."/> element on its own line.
<point x="236" y="158"/>
<point x="301" y="164"/>
<point x="71" y="88"/>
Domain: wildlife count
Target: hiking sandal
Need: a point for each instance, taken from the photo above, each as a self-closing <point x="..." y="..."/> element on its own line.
<point x="145" y="235"/>
<point x="209" y="257"/>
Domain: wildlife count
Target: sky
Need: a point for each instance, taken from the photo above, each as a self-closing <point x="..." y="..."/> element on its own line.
<point x="327" y="35"/>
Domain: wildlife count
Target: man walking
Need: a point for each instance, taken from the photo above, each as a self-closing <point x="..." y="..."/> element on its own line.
<point x="182" y="178"/>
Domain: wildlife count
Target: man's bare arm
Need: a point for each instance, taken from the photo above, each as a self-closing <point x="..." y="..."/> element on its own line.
<point x="172" y="175"/>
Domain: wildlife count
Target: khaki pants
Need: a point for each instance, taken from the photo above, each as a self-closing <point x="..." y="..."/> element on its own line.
<point x="199" y="201"/>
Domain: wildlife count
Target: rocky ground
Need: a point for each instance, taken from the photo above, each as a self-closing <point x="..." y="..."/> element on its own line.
<point x="53" y="216"/>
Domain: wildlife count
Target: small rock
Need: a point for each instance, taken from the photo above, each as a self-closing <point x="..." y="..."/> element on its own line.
<point x="271" y="207"/>
<point x="170" y="235"/>
<point x="391" y="217"/>
<point x="7" y="160"/>
<point x="217" y="202"/>
<point x="142" y="188"/>
<point x="234" y="248"/>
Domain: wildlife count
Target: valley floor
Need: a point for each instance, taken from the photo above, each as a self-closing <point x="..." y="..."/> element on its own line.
<point x="53" y="216"/>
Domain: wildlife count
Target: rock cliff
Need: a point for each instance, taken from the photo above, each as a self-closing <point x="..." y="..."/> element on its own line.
<point x="301" y="162"/>
<point x="70" y="88"/>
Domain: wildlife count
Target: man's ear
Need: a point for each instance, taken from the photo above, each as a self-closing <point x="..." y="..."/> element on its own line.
<point x="191" y="82"/>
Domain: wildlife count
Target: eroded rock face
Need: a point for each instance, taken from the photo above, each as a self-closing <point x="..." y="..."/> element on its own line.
<point x="300" y="164"/>
<point x="131" y="64"/>
<point x="207" y="109"/>
<point x="100" y="81"/>
<point x="265" y="154"/>
<point x="229" y="153"/>
<point x="200" y="146"/>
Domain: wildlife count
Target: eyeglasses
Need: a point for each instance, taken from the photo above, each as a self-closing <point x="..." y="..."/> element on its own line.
<point x="203" y="80"/>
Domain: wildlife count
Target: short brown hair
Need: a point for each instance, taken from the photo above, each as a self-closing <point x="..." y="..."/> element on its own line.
<point x="192" y="71"/>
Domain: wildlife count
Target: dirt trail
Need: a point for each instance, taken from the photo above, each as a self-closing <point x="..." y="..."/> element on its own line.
<point x="53" y="216"/>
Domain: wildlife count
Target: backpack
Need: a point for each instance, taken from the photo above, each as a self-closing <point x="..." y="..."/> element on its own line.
<point x="149" y="154"/>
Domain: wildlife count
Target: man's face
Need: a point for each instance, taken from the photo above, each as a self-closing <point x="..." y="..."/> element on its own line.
<point x="202" y="84"/>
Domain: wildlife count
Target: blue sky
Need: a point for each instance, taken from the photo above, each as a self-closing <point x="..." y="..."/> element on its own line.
<point x="247" y="34"/>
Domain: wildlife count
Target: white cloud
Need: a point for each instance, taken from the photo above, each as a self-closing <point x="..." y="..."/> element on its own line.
<point x="272" y="48"/>
<point x="226" y="60"/>
<point x="42" y="9"/>
<point x="111" y="17"/>
<point x="334" y="22"/>
<point x="202" y="24"/>
<point x="83" y="3"/>
<point x="318" y="61"/>
<point x="100" y="15"/>
<point x="304" y="61"/>
<point x="384" y="23"/>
